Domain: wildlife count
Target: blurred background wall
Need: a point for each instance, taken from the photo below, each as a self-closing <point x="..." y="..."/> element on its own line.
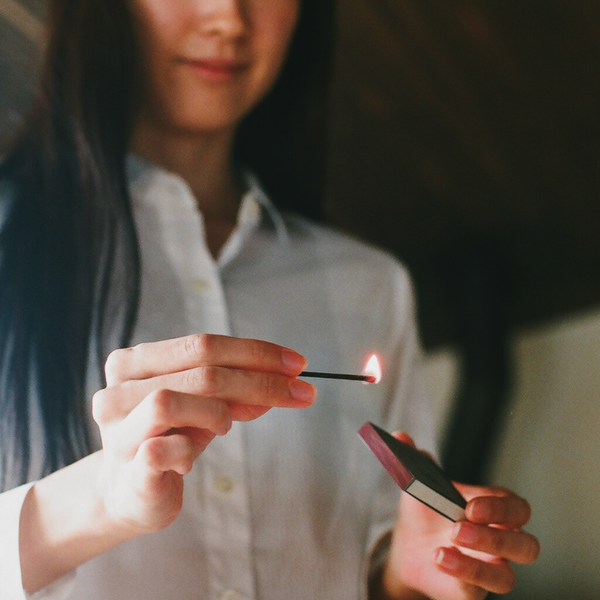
<point x="548" y="449"/>
<point x="465" y="139"/>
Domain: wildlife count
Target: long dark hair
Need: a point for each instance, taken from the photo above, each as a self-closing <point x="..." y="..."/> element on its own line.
<point x="69" y="262"/>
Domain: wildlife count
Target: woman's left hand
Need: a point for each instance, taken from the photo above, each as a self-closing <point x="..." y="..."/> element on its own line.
<point x="463" y="560"/>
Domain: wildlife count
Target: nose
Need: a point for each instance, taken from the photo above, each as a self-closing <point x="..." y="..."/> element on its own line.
<point x="223" y="17"/>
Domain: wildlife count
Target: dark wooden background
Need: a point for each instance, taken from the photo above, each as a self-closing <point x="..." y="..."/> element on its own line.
<point x="469" y="126"/>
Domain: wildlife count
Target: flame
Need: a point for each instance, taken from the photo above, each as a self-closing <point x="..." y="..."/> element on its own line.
<point x="373" y="368"/>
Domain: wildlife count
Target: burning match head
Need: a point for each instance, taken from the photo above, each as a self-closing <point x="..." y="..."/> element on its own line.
<point x="373" y="369"/>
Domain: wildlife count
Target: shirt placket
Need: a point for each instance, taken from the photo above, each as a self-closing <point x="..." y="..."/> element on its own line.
<point x="218" y="483"/>
<point x="227" y="520"/>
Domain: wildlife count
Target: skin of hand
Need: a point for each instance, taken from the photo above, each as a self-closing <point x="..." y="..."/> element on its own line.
<point x="431" y="557"/>
<point x="163" y="404"/>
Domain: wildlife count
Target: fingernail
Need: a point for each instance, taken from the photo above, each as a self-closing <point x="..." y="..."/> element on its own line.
<point x="445" y="559"/>
<point x="293" y="361"/>
<point x="465" y="533"/>
<point x="478" y="510"/>
<point x="302" y="391"/>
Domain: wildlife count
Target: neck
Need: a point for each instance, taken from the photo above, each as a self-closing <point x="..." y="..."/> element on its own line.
<point x="203" y="161"/>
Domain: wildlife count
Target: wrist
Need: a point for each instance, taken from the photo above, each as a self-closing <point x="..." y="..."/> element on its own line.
<point x="64" y="524"/>
<point x="384" y="587"/>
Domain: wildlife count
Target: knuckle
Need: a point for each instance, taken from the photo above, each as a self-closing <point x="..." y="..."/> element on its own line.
<point x="216" y="415"/>
<point x="199" y="345"/>
<point x="152" y="452"/>
<point x="185" y="451"/>
<point x="513" y="510"/>
<point x="268" y="387"/>
<point x="223" y="416"/>
<point x="160" y="406"/>
<point x="205" y="379"/>
<point x="115" y="367"/>
<point x="193" y="380"/>
<point x="259" y="352"/>
<point x="101" y="407"/>
<point x="476" y="571"/>
<point x="169" y="453"/>
<point x="186" y="466"/>
<point x="497" y="578"/>
<point x="497" y="542"/>
<point x="500" y="510"/>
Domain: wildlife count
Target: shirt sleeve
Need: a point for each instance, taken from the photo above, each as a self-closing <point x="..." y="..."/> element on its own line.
<point x="11" y="585"/>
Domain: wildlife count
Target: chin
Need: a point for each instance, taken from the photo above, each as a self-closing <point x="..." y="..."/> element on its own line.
<point x="206" y="118"/>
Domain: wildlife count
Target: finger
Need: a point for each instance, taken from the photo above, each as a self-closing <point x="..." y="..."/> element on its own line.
<point x="169" y="453"/>
<point x="473" y="491"/>
<point x="165" y="410"/>
<point x="496" y="577"/>
<point x="402" y="436"/>
<point x="230" y="385"/>
<point x="156" y="479"/>
<point x="507" y="510"/>
<point x="155" y="495"/>
<point x="244" y="412"/>
<point x="516" y="546"/>
<point x="168" y="356"/>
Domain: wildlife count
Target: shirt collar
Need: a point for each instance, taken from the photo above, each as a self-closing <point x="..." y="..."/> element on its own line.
<point x="257" y="196"/>
<point x="255" y="206"/>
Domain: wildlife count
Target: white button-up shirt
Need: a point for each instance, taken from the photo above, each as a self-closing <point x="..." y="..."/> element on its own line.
<point x="288" y="506"/>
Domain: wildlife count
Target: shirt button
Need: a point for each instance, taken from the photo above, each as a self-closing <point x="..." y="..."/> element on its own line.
<point x="223" y="484"/>
<point x="200" y="285"/>
<point x="231" y="595"/>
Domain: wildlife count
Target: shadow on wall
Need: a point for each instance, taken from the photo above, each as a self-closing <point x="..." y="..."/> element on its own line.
<point x="548" y="450"/>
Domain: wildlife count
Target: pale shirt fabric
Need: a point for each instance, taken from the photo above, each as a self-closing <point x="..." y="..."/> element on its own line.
<point x="290" y="505"/>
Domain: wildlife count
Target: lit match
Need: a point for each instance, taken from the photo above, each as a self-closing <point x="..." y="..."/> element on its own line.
<point x="371" y="373"/>
<point x="346" y="376"/>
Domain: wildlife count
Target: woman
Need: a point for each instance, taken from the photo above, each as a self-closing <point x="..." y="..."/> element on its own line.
<point x="138" y="134"/>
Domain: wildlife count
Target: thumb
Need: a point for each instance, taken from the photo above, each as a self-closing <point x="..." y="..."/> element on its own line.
<point x="402" y="436"/>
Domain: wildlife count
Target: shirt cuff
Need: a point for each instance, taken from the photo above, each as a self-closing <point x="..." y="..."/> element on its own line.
<point x="11" y="583"/>
<point x="375" y="560"/>
<point x="11" y="502"/>
<point x="59" y="590"/>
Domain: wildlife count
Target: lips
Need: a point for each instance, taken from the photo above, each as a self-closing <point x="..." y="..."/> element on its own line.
<point x="215" y="69"/>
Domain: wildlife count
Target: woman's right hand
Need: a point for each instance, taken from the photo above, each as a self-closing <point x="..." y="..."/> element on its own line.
<point x="163" y="404"/>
